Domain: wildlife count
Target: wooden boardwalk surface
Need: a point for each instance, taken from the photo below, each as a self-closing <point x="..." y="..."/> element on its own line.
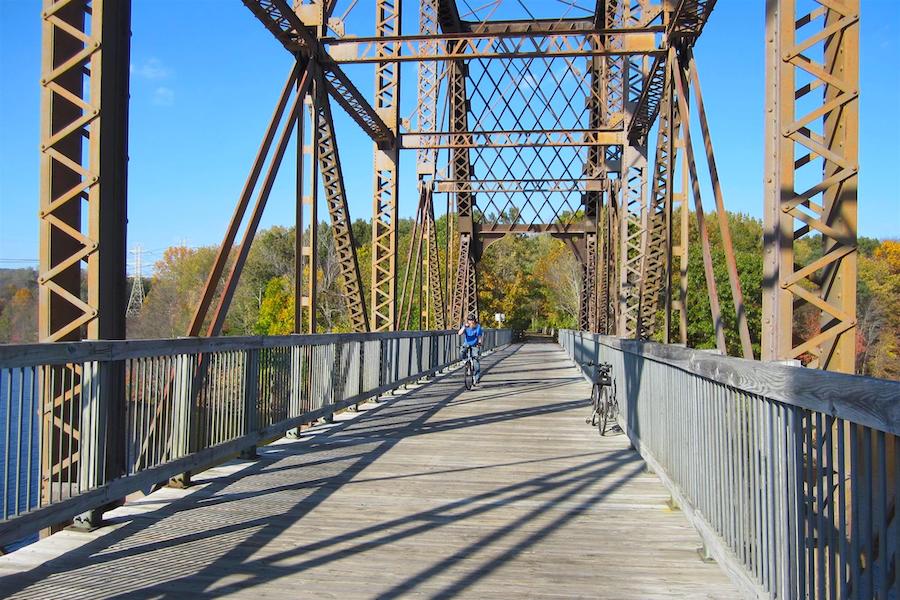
<point x="501" y="492"/>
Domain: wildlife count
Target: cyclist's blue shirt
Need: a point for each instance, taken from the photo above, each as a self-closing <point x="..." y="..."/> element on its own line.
<point x="472" y="334"/>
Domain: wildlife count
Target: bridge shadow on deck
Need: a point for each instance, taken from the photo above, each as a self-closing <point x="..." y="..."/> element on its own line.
<point x="291" y="524"/>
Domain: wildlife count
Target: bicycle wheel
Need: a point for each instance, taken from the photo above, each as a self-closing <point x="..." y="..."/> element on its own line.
<point x="602" y="409"/>
<point x="595" y="398"/>
<point x="470" y="380"/>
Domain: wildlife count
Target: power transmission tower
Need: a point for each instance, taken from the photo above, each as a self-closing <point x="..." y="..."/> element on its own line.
<point x="136" y="300"/>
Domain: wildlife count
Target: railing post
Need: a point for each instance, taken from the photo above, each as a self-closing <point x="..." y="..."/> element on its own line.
<point x="184" y="415"/>
<point x="92" y="436"/>
<point x="101" y="449"/>
<point x="295" y="406"/>
<point x="251" y="395"/>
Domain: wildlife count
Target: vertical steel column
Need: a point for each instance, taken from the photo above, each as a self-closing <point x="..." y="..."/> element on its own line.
<point x="428" y="88"/>
<point x="84" y="80"/>
<point x="656" y="245"/>
<point x="465" y="295"/>
<point x="811" y="178"/>
<point x="679" y="202"/>
<point x="633" y="217"/>
<point x="81" y="52"/>
<point x="433" y="309"/>
<point x="595" y="174"/>
<point x="309" y="259"/>
<point x="384" y="209"/>
<point x="434" y="294"/>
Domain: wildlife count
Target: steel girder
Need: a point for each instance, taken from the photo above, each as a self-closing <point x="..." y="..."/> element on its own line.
<point x="83" y="43"/>
<point x="336" y="199"/>
<point x="301" y="78"/>
<point x="225" y="248"/>
<point x="433" y="292"/>
<point x="84" y="98"/>
<point x="512" y="139"/>
<point x="465" y="291"/>
<point x="306" y="253"/>
<point x="683" y="27"/>
<point x="293" y="34"/>
<point x="595" y="171"/>
<point x="812" y="167"/>
<point x="384" y="204"/>
<point x="656" y="253"/>
<point x="587" y="304"/>
<point x="492" y="45"/>
<point x="428" y="89"/>
<point x="609" y="259"/>
<point x="465" y="295"/>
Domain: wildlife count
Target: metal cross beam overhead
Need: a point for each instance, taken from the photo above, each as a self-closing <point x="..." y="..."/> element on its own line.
<point x="293" y="34"/>
<point x="485" y="45"/>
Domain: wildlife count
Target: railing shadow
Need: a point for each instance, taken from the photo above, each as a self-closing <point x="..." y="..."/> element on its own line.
<point x="325" y="463"/>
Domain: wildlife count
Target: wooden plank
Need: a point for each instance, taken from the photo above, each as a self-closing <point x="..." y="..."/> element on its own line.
<point x="500" y="492"/>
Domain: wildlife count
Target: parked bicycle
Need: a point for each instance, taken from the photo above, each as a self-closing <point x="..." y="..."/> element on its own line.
<point x="604" y="406"/>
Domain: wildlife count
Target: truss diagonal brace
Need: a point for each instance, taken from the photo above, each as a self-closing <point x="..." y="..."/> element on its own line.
<point x="286" y="26"/>
<point x="336" y="199"/>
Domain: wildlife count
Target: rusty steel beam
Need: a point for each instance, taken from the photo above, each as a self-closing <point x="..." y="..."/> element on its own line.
<point x="681" y="87"/>
<point x="84" y="106"/>
<point x="683" y="28"/>
<point x="656" y="252"/>
<point x="336" y="199"/>
<point x="428" y="85"/>
<point x="688" y="20"/>
<point x="434" y="294"/>
<point x="225" y="248"/>
<point x="293" y="34"/>
<point x="448" y="17"/>
<point x="308" y="199"/>
<point x="734" y="280"/>
<point x="552" y="44"/>
<point x="512" y="139"/>
<point x="812" y="178"/>
<point x="386" y="182"/>
<point x="218" y="318"/>
<point x="84" y="96"/>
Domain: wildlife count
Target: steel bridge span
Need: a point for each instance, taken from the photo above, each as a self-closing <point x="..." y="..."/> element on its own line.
<point x="780" y="465"/>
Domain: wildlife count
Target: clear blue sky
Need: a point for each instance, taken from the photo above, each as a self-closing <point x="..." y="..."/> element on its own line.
<point x="204" y="83"/>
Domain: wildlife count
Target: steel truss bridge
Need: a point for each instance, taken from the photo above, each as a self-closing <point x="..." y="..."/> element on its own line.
<point x="588" y="125"/>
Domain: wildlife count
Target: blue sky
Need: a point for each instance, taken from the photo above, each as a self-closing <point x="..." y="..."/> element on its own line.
<point x="204" y="83"/>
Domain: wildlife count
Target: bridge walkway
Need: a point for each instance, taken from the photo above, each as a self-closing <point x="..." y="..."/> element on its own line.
<point x="499" y="492"/>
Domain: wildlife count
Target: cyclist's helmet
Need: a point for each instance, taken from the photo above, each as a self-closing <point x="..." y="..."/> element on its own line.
<point x="471" y="317"/>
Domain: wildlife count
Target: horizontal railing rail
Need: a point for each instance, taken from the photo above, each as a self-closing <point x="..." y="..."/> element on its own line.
<point x="790" y="475"/>
<point x="68" y="446"/>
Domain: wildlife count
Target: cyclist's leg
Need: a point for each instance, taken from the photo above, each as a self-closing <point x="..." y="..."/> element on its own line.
<point x="476" y="363"/>
<point x="463" y="350"/>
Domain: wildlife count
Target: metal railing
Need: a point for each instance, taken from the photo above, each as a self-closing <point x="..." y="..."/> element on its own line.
<point x="790" y="475"/>
<point x="182" y="404"/>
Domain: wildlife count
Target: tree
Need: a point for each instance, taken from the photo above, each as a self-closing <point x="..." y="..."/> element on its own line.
<point x="177" y="283"/>
<point x="276" y="311"/>
<point x="18" y="319"/>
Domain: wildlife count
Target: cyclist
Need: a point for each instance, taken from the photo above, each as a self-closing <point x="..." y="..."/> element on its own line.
<point x="472" y="343"/>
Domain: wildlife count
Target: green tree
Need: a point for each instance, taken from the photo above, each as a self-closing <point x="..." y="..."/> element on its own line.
<point x="276" y="311"/>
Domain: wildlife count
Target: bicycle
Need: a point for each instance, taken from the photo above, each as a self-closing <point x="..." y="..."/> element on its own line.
<point x="469" y="368"/>
<point x="604" y="405"/>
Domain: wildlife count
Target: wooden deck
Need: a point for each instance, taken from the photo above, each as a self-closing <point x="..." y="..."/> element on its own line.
<point x="501" y="492"/>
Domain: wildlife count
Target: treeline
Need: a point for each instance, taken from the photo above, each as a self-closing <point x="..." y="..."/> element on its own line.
<point x="533" y="280"/>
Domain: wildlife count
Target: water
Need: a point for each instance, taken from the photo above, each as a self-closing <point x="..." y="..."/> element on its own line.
<point x="19" y="441"/>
